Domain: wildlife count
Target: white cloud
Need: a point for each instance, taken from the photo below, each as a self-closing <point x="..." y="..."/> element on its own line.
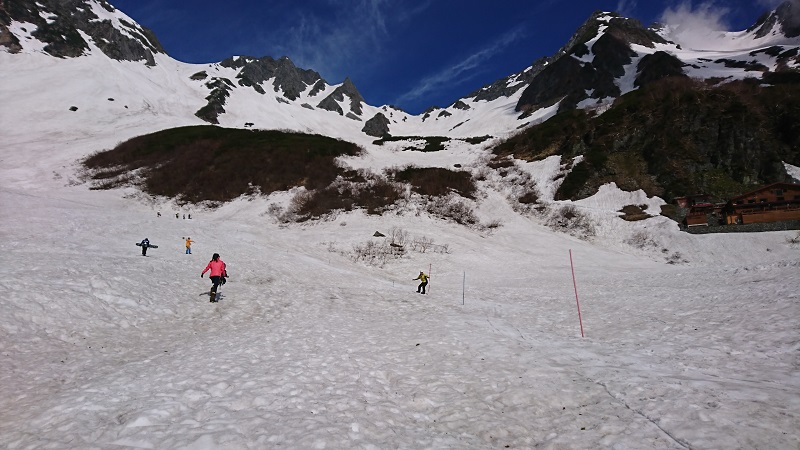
<point x="696" y="27"/>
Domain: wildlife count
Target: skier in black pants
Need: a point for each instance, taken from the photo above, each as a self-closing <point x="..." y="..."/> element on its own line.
<point x="423" y="282"/>
<point x="145" y="243"/>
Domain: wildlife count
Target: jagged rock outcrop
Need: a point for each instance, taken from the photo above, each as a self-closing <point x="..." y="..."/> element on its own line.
<point x="59" y="23"/>
<point x="347" y="89"/>
<point x="7" y="39"/>
<point x="377" y="126"/>
<point x="220" y="91"/>
<point x="787" y="15"/>
<point x="657" y="66"/>
<point x="579" y="72"/>
<point x="288" y="78"/>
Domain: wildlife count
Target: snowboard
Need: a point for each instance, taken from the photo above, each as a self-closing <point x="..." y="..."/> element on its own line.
<point x="139" y="244"/>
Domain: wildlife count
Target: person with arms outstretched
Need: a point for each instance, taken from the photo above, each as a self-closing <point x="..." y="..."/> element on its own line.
<point x="189" y="245"/>
<point x="218" y="273"/>
<point x="145" y="244"/>
<point x="423" y="282"/>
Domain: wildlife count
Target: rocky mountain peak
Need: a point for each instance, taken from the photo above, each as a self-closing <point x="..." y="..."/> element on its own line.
<point x="347" y="89"/>
<point x="588" y="65"/>
<point x="59" y="24"/>
<point x="784" y="19"/>
<point x="287" y="77"/>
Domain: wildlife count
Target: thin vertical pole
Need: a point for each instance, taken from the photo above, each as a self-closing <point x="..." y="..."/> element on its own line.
<point x="430" y="270"/>
<point x="463" y="289"/>
<point x="575" y="285"/>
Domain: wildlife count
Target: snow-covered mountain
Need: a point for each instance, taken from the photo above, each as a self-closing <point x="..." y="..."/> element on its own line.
<point x="98" y="45"/>
<point x="685" y="341"/>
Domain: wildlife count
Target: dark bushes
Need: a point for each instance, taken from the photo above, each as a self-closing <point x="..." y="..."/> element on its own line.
<point x="435" y="181"/>
<point x="208" y="163"/>
<point x="375" y="197"/>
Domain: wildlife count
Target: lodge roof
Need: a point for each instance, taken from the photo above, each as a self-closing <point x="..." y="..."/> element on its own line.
<point x="765" y="188"/>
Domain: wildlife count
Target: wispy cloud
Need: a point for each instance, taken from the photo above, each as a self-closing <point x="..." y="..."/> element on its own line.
<point x="696" y="27"/>
<point x="463" y="70"/>
<point x="339" y="39"/>
<point x="627" y="7"/>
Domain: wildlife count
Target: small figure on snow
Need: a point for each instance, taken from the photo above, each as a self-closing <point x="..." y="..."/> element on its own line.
<point x="189" y="245"/>
<point x="218" y="274"/>
<point x="423" y="282"/>
<point x="145" y="244"/>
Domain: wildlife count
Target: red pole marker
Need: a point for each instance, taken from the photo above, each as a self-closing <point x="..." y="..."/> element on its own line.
<point x="575" y="285"/>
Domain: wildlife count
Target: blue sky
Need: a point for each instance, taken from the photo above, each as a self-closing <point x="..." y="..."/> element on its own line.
<point x="412" y="54"/>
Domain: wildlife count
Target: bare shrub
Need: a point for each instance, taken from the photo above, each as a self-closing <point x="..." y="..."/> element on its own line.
<point x="398" y="236"/>
<point x="436" y="181"/>
<point x="380" y="252"/>
<point x="641" y="240"/>
<point x="372" y="253"/>
<point x="570" y="220"/>
<point x="493" y="224"/>
<point x="281" y="214"/>
<point x="375" y="196"/>
<point x="423" y="244"/>
<point x="676" y="258"/>
<point x="794" y="242"/>
<point x="451" y="207"/>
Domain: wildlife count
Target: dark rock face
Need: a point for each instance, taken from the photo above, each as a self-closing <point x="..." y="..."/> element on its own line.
<point x="288" y="77"/>
<point x="569" y="76"/>
<point x="378" y="126"/>
<point x="657" y="66"/>
<point x="7" y="39"/>
<point x="65" y="18"/>
<point x="220" y="91"/>
<point x="461" y="105"/>
<point x="674" y="137"/>
<point x="508" y="86"/>
<point x="787" y="15"/>
<point x="330" y="103"/>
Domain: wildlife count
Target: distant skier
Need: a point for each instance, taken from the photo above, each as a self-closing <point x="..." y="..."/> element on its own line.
<point x="218" y="274"/>
<point x="189" y="245"/>
<point x="145" y="244"/>
<point x="423" y="282"/>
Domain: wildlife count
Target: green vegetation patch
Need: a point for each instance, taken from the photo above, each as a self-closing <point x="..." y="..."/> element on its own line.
<point x="209" y="163"/>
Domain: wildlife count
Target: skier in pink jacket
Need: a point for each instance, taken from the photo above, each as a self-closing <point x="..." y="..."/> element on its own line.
<point x="218" y="275"/>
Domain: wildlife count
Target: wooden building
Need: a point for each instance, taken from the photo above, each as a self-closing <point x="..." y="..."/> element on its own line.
<point x="773" y="203"/>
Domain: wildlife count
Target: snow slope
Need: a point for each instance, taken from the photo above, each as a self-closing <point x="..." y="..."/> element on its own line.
<point x="103" y="348"/>
<point x="308" y="348"/>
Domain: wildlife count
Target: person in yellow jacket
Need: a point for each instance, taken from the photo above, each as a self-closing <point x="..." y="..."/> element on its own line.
<point x="189" y="245"/>
<point x="423" y="282"/>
